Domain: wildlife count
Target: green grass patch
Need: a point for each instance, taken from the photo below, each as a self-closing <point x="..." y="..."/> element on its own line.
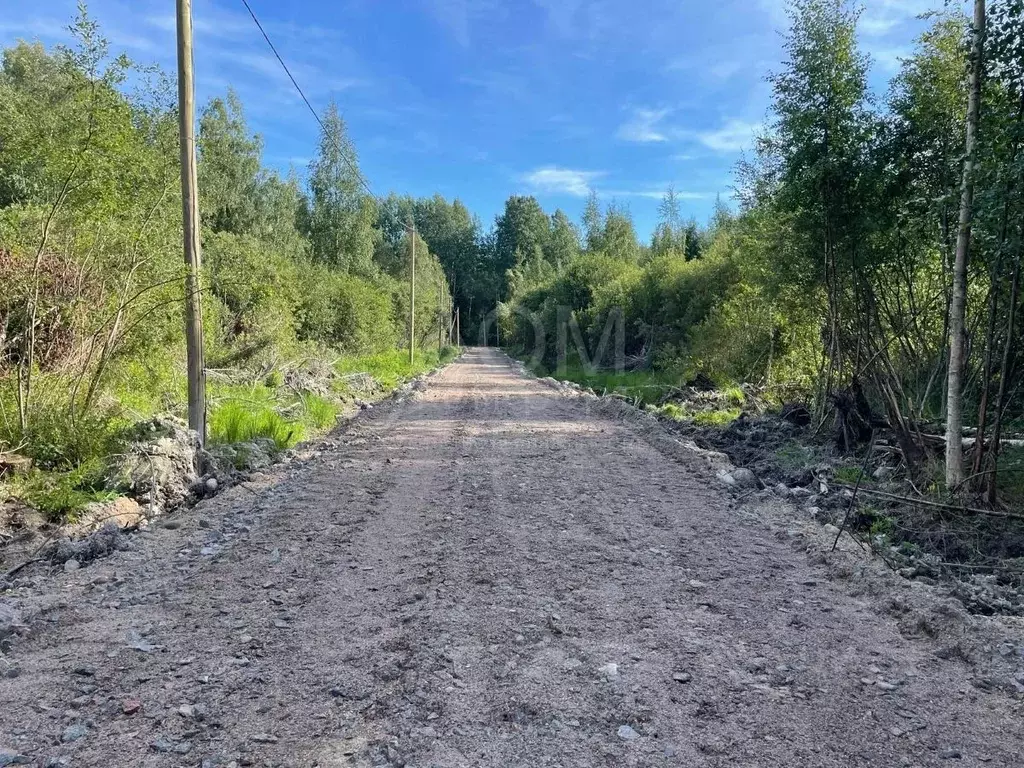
<point x="678" y="412"/>
<point x="240" y="422"/>
<point x="644" y="387"/>
<point x="850" y="475"/>
<point x="69" y="457"/>
<point x="718" y="418"/>
<point x="735" y="396"/>
<point x="61" y="495"/>
<point x="392" y="368"/>
<point x="318" y="412"/>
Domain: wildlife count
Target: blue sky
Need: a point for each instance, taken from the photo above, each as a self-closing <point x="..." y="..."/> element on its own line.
<point x="480" y="99"/>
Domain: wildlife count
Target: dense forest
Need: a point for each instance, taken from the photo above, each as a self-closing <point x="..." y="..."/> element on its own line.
<point x="870" y="269"/>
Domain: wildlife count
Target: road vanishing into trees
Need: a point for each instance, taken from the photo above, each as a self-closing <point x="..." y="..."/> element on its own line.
<point x="490" y="573"/>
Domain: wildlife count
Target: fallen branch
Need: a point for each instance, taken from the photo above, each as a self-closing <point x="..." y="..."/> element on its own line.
<point x="937" y="504"/>
<point x="13" y="571"/>
<point x="856" y="488"/>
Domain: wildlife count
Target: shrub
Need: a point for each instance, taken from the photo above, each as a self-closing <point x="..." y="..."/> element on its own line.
<point x="54" y="441"/>
<point x="60" y="495"/>
<point x="346" y="312"/>
<point x="258" y="286"/>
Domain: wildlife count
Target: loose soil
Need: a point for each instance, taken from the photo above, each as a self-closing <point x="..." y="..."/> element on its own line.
<point x="490" y="573"/>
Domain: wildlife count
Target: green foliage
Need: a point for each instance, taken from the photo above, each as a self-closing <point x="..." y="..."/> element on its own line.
<point x="351" y="313"/>
<point x="392" y="368"/>
<point x="735" y="396"/>
<point x="93" y="163"/>
<point x="56" y="441"/>
<point x="881" y="526"/>
<point x="259" y="288"/>
<point x="850" y="475"/>
<point x="704" y="418"/>
<point x="229" y="164"/>
<point x="60" y="495"/>
<point x="341" y="214"/>
<point x="319" y="412"/>
<point x="718" y="418"/>
<point x="238" y="422"/>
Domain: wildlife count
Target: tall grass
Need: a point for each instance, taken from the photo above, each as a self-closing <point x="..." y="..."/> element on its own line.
<point x="318" y="412"/>
<point x="235" y="422"/>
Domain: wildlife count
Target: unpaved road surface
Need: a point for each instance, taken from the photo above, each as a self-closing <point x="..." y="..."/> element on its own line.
<point x="489" y="574"/>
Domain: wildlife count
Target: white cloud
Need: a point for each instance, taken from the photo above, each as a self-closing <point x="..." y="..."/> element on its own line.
<point x="883" y="16"/>
<point x="36" y="28"/>
<point x="726" y="68"/>
<point x="718" y="63"/>
<point x="733" y="136"/>
<point x="880" y="17"/>
<point x="644" y="126"/>
<point x="877" y="26"/>
<point x="212" y="24"/>
<point x="561" y="181"/>
<point x="657" y="193"/>
<point x="889" y="59"/>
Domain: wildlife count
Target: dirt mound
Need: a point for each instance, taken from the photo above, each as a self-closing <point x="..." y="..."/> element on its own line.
<point x="768" y="445"/>
<point x="158" y="466"/>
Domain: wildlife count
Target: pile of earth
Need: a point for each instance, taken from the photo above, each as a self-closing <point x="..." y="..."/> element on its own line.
<point x="776" y="449"/>
<point x="980" y="557"/>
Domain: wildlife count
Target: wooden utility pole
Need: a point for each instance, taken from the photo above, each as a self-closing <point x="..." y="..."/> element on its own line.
<point x="458" y="337"/>
<point x="958" y="303"/>
<point x="412" y="295"/>
<point x="190" y="221"/>
<point x="497" y="323"/>
<point x="440" y="315"/>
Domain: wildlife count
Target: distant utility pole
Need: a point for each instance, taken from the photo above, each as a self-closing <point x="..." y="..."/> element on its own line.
<point x="440" y="314"/>
<point x="497" y="323"/>
<point x="458" y="336"/>
<point x="451" y="318"/>
<point x="412" y="296"/>
<point x="190" y="220"/>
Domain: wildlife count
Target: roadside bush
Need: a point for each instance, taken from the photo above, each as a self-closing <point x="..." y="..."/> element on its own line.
<point x="52" y="439"/>
<point x="259" y="287"/>
<point x="59" y="495"/>
<point x="347" y="312"/>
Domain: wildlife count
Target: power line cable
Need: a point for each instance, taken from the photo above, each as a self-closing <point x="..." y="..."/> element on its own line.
<point x="344" y="155"/>
<point x="409" y="227"/>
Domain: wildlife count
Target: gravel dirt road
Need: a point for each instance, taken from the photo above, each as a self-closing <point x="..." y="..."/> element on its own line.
<point x="490" y="573"/>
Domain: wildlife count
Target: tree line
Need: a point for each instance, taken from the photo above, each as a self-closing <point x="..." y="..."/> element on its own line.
<point x="837" y="280"/>
<point x="91" y="275"/>
<point x="872" y="268"/>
